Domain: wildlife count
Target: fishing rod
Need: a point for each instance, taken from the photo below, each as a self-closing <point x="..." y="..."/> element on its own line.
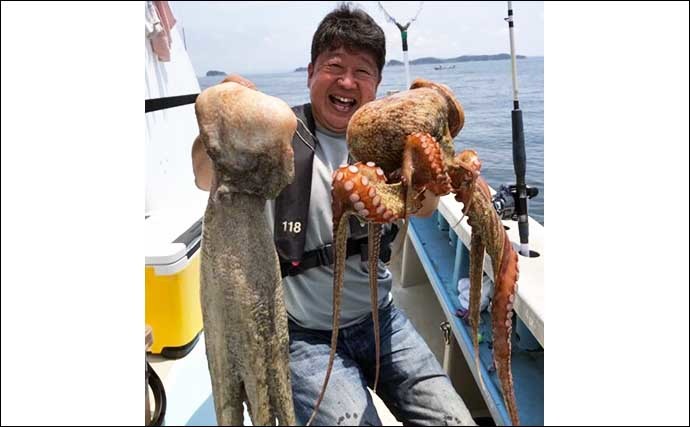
<point x="511" y="201"/>
<point x="403" y="35"/>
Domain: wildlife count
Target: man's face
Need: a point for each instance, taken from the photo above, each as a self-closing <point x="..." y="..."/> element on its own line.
<point x="339" y="83"/>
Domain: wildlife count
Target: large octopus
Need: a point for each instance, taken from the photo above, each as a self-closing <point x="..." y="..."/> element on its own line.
<point x="404" y="145"/>
<point x="247" y="135"/>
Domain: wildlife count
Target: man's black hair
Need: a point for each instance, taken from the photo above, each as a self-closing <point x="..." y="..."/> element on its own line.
<point x="353" y="29"/>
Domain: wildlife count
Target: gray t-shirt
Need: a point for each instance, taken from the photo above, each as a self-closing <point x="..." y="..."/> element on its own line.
<point x="309" y="296"/>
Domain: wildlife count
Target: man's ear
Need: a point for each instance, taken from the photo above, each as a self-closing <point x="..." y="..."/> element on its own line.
<point x="310" y="73"/>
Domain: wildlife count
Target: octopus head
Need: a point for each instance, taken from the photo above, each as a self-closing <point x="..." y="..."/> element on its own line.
<point x="248" y="137"/>
<point x="456" y="114"/>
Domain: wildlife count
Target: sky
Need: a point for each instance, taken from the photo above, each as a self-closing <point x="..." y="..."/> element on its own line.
<point x="264" y="37"/>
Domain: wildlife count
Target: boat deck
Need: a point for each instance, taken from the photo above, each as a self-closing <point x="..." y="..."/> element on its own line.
<point x="437" y="256"/>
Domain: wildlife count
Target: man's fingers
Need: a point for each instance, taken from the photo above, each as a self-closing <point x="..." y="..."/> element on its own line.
<point x="236" y="78"/>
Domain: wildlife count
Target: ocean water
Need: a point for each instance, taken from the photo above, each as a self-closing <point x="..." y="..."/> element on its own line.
<point x="485" y="91"/>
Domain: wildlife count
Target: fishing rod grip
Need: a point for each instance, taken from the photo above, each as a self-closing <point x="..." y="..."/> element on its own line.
<point x="519" y="162"/>
<point x="519" y="157"/>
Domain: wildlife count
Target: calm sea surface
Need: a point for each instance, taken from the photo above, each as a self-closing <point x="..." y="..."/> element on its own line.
<point x="485" y="92"/>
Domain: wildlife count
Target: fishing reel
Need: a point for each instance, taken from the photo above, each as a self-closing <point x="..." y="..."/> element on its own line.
<point x="506" y="199"/>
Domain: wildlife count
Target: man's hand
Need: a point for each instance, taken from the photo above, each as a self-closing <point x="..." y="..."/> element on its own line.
<point x="202" y="166"/>
<point x="429" y="204"/>
<point x="201" y="162"/>
<point x="236" y="78"/>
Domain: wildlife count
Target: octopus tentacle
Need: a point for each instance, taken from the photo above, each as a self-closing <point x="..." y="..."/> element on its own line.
<point x="476" y="274"/>
<point x="340" y="224"/>
<point x="463" y="173"/>
<point x="473" y="192"/>
<point x="406" y="176"/>
<point x="358" y="189"/>
<point x="362" y="188"/>
<point x="424" y="153"/>
<point x="374" y="249"/>
<point x="505" y="281"/>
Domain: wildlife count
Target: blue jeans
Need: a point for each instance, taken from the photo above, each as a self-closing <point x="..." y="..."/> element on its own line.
<point x="412" y="383"/>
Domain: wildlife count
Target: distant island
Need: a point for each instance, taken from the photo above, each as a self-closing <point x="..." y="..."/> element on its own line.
<point x="463" y="58"/>
<point x="215" y="73"/>
<point x="432" y="60"/>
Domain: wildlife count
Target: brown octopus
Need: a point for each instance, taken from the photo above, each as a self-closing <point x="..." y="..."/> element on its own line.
<point x="247" y="135"/>
<point x="404" y="145"/>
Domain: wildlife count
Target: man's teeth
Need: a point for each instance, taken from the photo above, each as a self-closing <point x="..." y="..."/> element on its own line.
<point x="346" y="100"/>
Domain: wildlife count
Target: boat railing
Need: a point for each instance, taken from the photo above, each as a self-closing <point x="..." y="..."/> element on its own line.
<point x="156" y="104"/>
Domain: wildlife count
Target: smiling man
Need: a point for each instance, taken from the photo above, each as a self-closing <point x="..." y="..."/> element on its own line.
<point x="348" y="53"/>
<point x="341" y="80"/>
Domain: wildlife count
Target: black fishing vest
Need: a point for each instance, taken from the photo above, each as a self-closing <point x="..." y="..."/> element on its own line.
<point x="292" y="210"/>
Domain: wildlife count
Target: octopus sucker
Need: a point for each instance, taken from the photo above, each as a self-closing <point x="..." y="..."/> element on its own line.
<point x="366" y="193"/>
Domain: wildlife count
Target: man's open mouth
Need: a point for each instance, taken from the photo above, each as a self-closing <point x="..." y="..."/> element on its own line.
<point x="342" y="104"/>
